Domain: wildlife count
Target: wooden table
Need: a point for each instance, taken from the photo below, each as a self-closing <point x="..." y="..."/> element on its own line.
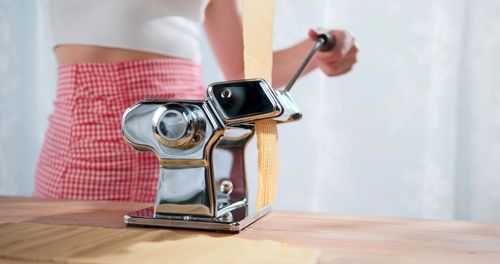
<point x="342" y="239"/>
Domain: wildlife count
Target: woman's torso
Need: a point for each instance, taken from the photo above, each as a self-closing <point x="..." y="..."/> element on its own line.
<point x="74" y="54"/>
<point x="123" y="30"/>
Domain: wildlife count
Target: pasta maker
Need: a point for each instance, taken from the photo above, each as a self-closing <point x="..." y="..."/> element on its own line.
<point x="201" y="146"/>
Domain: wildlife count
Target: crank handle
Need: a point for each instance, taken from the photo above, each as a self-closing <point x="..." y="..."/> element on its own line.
<point x="324" y="42"/>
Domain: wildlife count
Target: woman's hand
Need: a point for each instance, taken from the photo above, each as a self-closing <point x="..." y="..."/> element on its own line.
<point x="224" y="30"/>
<point x="341" y="59"/>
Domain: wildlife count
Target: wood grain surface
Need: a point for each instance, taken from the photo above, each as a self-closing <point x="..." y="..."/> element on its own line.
<point x="342" y="239"/>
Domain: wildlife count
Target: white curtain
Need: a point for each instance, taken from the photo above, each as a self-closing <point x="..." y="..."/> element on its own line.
<point x="413" y="131"/>
<point x="27" y="89"/>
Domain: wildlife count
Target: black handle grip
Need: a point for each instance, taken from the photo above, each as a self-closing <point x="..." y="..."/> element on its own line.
<point x="328" y="41"/>
<point x="324" y="42"/>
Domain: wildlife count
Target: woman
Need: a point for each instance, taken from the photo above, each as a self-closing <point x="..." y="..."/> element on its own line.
<point x="113" y="53"/>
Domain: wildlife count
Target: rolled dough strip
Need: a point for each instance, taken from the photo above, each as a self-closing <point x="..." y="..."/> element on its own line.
<point x="257" y="18"/>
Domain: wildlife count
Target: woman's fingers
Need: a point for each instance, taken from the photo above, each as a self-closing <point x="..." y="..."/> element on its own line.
<point x="339" y="60"/>
<point x="347" y="43"/>
<point x="338" y="67"/>
<point x="344" y="71"/>
<point x="351" y="54"/>
<point x="313" y="34"/>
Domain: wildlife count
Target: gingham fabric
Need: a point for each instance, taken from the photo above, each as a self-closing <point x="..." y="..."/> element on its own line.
<point x="83" y="155"/>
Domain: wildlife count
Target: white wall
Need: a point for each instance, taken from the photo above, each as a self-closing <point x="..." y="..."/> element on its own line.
<point x="27" y="88"/>
<point x="413" y="130"/>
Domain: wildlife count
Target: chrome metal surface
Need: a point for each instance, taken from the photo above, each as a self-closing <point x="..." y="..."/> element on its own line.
<point x="201" y="148"/>
<point x="291" y="110"/>
<point x="139" y="123"/>
<point x="183" y="191"/>
<point x="272" y="101"/>
<point x="178" y="126"/>
<point x="226" y="93"/>
<point x="234" y="221"/>
<point x="226" y="187"/>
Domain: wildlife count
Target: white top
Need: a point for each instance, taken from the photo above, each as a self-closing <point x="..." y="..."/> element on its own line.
<point x="170" y="27"/>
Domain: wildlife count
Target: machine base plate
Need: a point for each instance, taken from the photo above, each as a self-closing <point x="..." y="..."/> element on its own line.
<point x="233" y="221"/>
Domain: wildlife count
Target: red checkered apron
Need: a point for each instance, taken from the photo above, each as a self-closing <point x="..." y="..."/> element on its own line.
<point x="84" y="155"/>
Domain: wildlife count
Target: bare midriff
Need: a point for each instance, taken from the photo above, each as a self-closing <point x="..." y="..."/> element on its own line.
<point x="72" y="54"/>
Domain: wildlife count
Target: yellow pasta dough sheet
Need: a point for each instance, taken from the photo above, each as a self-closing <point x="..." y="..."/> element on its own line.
<point x="76" y="244"/>
<point x="257" y="20"/>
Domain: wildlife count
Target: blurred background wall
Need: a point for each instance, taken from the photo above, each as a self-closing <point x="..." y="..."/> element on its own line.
<point x="412" y="131"/>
